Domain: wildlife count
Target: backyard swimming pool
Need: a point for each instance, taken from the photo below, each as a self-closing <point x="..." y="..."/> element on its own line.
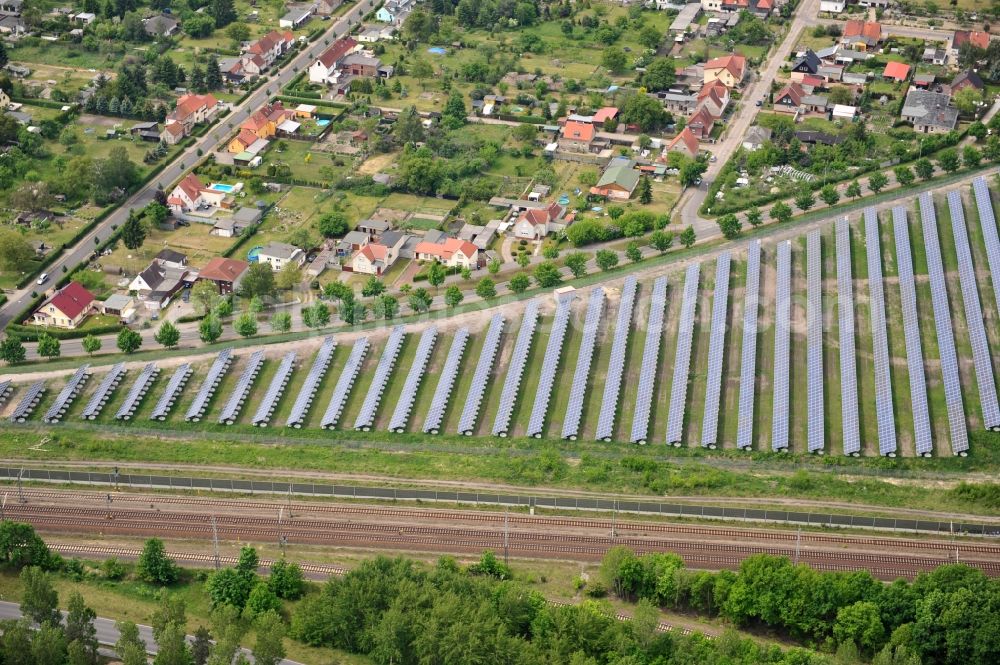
<point x="436" y="50"/>
<point x="323" y="122"/>
<point x="254" y="254"/>
<point x="221" y="187"/>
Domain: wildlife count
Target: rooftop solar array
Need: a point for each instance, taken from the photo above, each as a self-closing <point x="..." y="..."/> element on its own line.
<point x="974" y="315"/>
<point x="67" y="395"/>
<point x="304" y="400"/>
<point x="911" y="331"/>
<point x="28" y="402"/>
<point x="550" y="365"/>
<point x="345" y="382"/>
<point x="814" y="342"/>
<point x="449" y="374"/>
<point x="782" y="337"/>
<point x="650" y="361"/>
<point x="366" y="416"/>
<point x="274" y="391"/>
<point x="954" y="404"/>
<point x="851" y="432"/>
<point x="578" y="390"/>
<point x="138" y="390"/>
<point x="173" y="390"/>
<point x="884" y="414"/>
<point x="748" y="357"/>
<point x="6" y="388"/>
<point x="989" y="223"/>
<point x="616" y="364"/>
<point x="716" y="351"/>
<point x="103" y="393"/>
<point x="470" y="412"/>
<point x="231" y="411"/>
<point x="404" y="405"/>
<point x="512" y="383"/>
<point x="218" y="370"/>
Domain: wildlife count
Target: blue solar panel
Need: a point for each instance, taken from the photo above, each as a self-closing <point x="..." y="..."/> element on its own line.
<point x="274" y="391"/>
<point x="578" y="390"/>
<point x="616" y="364"/>
<point x="848" y="358"/>
<point x="512" y="383"/>
<point x="748" y="358"/>
<point x="103" y="393"/>
<point x="342" y="390"/>
<point x="782" y="338"/>
<point x="716" y="353"/>
<point x="232" y="408"/>
<point x="484" y="366"/>
<point x="366" y="416"/>
<point x="300" y="410"/>
<point x="884" y="413"/>
<point x="169" y="397"/>
<point x="814" y="343"/>
<point x="26" y="405"/>
<point x="550" y="365"/>
<point x="67" y="395"/>
<point x="138" y="390"/>
<point x="650" y="360"/>
<point x="218" y="370"/>
<point x="449" y="374"/>
<point x="401" y="414"/>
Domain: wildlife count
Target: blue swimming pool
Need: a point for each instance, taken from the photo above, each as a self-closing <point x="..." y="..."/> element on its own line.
<point x="323" y="122"/>
<point x="221" y="187"/>
<point x="437" y="50"/>
<point x="254" y="254"/>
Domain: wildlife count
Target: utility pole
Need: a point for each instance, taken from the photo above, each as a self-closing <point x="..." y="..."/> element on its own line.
<point x="20" y="486"/>
<point x="3" y="505"/>
<point x="506" y="538"/>
<point x="114" y="475"/>
<point x="614" y="519"/>
<point x="798" y="544"/>
<point x="215" y="543"/>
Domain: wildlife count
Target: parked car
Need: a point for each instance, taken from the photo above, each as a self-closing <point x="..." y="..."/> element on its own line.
<point x="44" y="277"/>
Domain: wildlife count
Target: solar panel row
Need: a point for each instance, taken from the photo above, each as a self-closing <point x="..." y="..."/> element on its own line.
<point x="850" y="422"/>
<point x="404" y="405"/>
<point x="578" y="389"/>
<point x="449" y="373"/>
<point x="103" y="393"/>
<point x="650" y="360"/>
<point x="748" y="357"/>
<point x="231" y="411"/>
<point x="366" y="416"/>
<point x="974" y="316"/>
<point x="716" y="352"/>
<point x="616" y="364"/>
<point x="911" y="331"/>
<point x="782" y="335"/>
<point x="67" y="395"/>
<point x="218" y="370"/>
<point x="6" y="388"/>
<point x="26" y="405"/>
<point x="954" y="404"/>
<point x="342" y="390"/>
<point x="814" y="343"/>
<point x="304" y="400"/>
<point x="682" y="356"/>
<point x="484" y="366"/>
<point x="138" y="390"/>
<point x="988" y="222"/>
<point x="550" y="365"/>
<point x="512" y="383"/>
<point x="274" y="391"/>
<point x="172" y="392"/>
<point x="884" y="415"/>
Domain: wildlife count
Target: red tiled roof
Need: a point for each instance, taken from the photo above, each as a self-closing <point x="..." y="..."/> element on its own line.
<point x="870" y="29"/>
<point x="188" y="104"/>
<point x="602" y="114"/>
<point x="702" y="117"/>
<point x="72" y="300"/>
<point x="191" y="186"/>
<point x="174" y="128"/>
<point x="689" y="140"/>
<point x="765" y="4"/>
<point x="446" y="249"/>
<point x="175" y="201"/>
<point x="814" y="81"/>
<point x="976" y="38"/>
<point x="716" y="86"/>
<point x="246" y="136"/>
<point x="340" y="48"/>
<point x="375" y="252"/>
<point x="223" y="270"/>
<point x="734" y="63"/>
<point x="896" y="70"/>
<point x="581" y="131"/>
<point x="793" y="90"/>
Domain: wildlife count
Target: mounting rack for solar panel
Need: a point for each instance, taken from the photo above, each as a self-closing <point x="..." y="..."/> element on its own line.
<point x="650" y="356"/>
<point x="682" y="357"/>
<point x="884" y="414"/>
<point x="137" y="392"/>
<point x="782" y="338"/>
<point x="449" y="374"/>
<point x="748" y="357"/>
<point x="850" y="421"/>
<point x="366" y="416"/>
<point x="172" y="392"/>
<point x="342" y="390"/>
<point x="304" y="400"/>
<point x="484" y="366"/>
<point x="816" y="433"/>
<point x="6" y="388"/>
<point x="231" y="411"/>
<point x="988" y="222"/>
<point x="103" y="393"/>
<point x="578" y="389"/>
<point x="274" y="391"/>
<point x="26" y="405"/>
<point x="616" y="364"/>
<point x="716" y="352"/>
<point x="512" y="382"/>
<point x="550" y="365"/>
<point x="67" y="395"/>
<point x="218" y="369"/>
<point x="401" y="414"/>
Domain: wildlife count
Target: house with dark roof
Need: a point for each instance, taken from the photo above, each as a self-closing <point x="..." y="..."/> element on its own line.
<point x="789" y="98"/>
<point x="161" y="25"/>
<point x="67" y="308"/>
<point x="807" y="63"/>
<point x="159" y="282"/>
<point x="930" y="112"/>
<point x="966" y="79"/>
<point x="171" y="258"/>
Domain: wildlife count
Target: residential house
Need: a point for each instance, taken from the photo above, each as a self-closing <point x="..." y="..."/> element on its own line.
<point x="280" y="254"/>
<point x="242" y="141"/>
<point x="875" y="4"/>
<point x="730" y="69"/>
<point x="789" y="98"/>
<point x="535" y="223"/>
<point x="352" y="242"/>
<point x="147" y="131"/>
<point x="161" y="25"/>
<point x="756" y="137"/>
<point x="306" y="111"/>
<point x="701" y="123"/>
<point x="121" y="305"/>
<point x="192" y="110"/>
<point x="453" y="252"/>
<point x="930" y="112"/>
<point x="923" y="80"/>
<point x="896" y="71"/>
<point x="619" y="179"/>
<point x="844" y="112"/>
<point x="191" y="194"/>
<point x="67" y="308"/>
<point x="715" y="97"/>
<point x="577" y="136"/>
<point x="979" y="39"/>
<point x="861" y="35"/>
<point x="966" y="79"/>
<point x="171" y="258"/>
<point x="327" y="7"/>
<point x="11" y="24"/>
<point x="159" y="282"/>
<point x="264" y="122"/>
<point x="832" y="6"/>
<point x="830" y="73"/>
<point x="84" y="18"/>
<point x="807" y="63"/>
<point x="324" y="68"/>
<point x="11" y="6"/>
<point x="377" y="257"/>
<point x="226" y="274"/>
<point x="685" y="18"/>
<point x="373" y="228"/>
<point x="814" y="104"/>
<point x="394" y="11"/>
<point x="360" y="64"/>
<point x="935" y="56"/>
<point x="296" y="18"/>
<point x="685" y="143"/>
<point x="370" y="34"/>
<point x="173" y="133"/>
<point x="678" y="103"/>
<point x="604" y="114"/>
<point x="270" y="47"/>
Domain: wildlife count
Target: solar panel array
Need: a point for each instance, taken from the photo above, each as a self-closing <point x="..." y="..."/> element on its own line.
<point x="218" y="369"/>
<point x="515" y="370"/>
<point x="550" y="365"/>
<point x="954" y="404"/>
<point x="6" y="388"/>
<point x="974" y="316"/>
<point x="304" y="400"/>
<point x="650" y="360"/>
<point x="449" y="373"/>
<point x="470" y="412"/>
<point x="748" y="357"/>
<point x="169" y="397"/>
<point x="578" y="389"/>
<point x="408" y="396"/>
<point x="682" y="357"/>
<point x="911" y="331"/>
<point x="814" y="342"/>
<point x="851" y="434"/>
<point x="988" y="221"/>
<point x="231" y="411"/>
<point x="67" y="395"/>
<point x="274" y="391"/>
<point x="28" y="402"/>
<point x="782" y="337"/>
<point x="616" y="364"/>
<point x="716" y="351"/>
<point x="366" y="417"/>
<point x="103" y="393"/>
<point x="138" y="390"/>
<point x="884" y="414"/>
<point x="345" y="382"/>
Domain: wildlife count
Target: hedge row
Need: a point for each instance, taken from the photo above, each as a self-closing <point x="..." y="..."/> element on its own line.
<point x="291" y="99"/>
<point x="31" y="333"/>
<point x="45" y="103"/>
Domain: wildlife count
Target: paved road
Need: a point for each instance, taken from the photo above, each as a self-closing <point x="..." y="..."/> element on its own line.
<point x="75" y="256"/>
<point x="107" y="633"/>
